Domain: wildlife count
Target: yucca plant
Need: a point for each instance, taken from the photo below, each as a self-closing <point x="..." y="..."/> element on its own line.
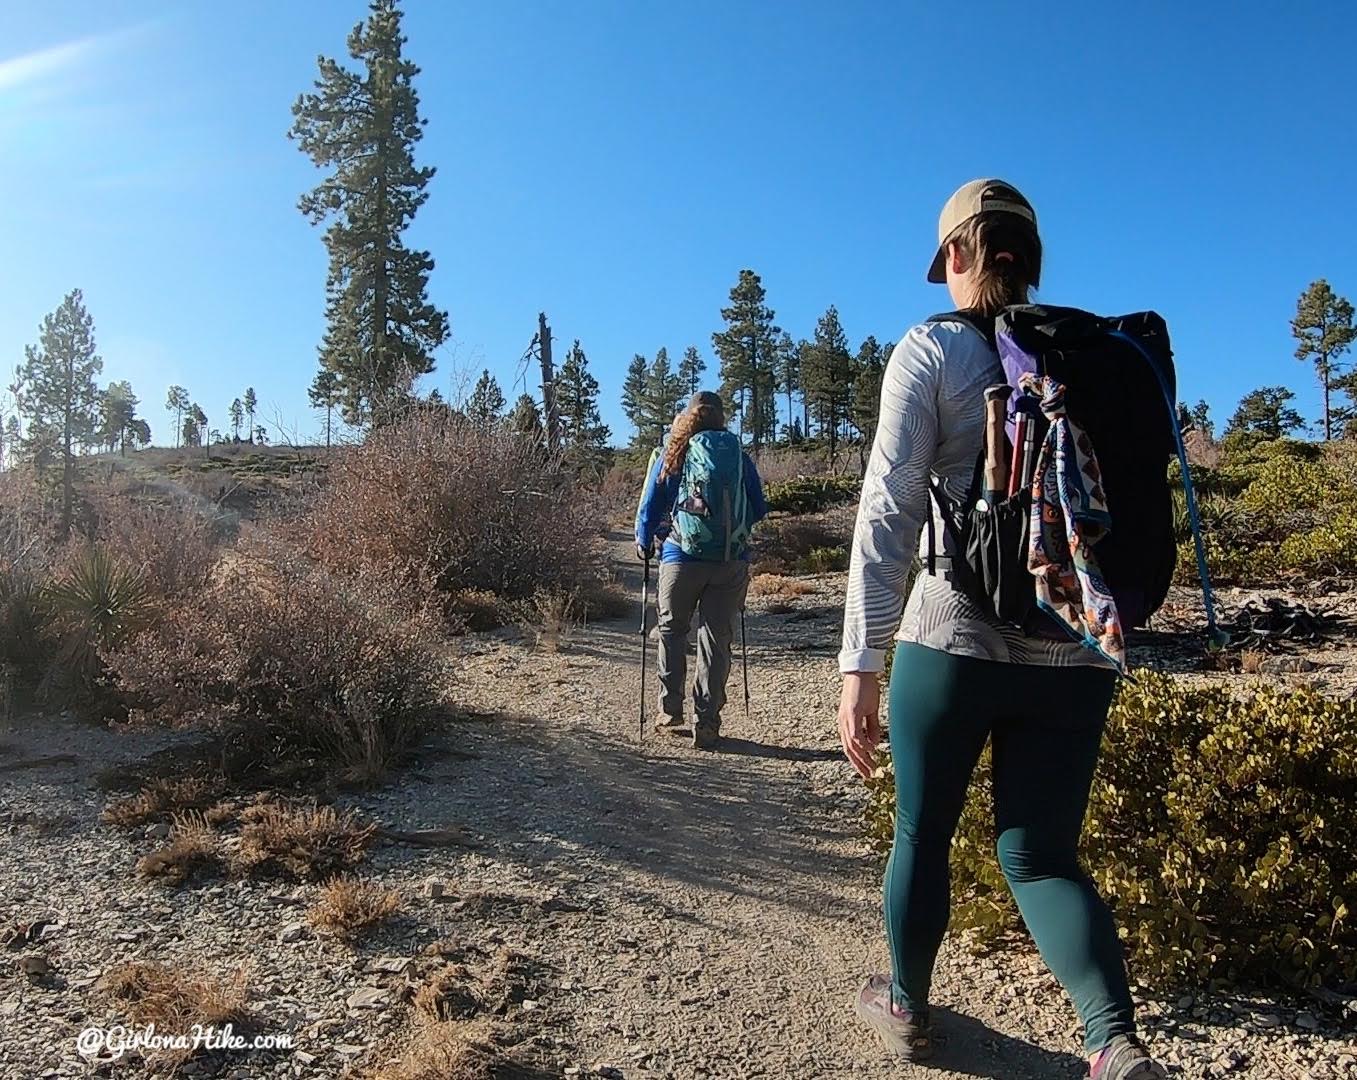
<point x="97" y="605"/>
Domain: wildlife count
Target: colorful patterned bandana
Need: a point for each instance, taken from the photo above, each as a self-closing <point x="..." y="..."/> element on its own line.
<point x="1069" y="516"/>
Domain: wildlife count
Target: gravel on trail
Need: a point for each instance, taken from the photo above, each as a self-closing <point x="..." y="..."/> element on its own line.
<point x="654" y="911"/>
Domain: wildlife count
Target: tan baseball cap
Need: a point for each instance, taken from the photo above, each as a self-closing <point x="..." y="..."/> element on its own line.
<point x="977" y="197"/>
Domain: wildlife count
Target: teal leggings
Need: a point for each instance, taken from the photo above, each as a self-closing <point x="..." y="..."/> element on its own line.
<point x="1045" y="725"/>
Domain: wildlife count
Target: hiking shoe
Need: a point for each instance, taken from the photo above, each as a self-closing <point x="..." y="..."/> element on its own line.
<point x="907" y="1035"/>
<point x="706" y="737"/>
<point x="671" y="724"/>
<point x="1125" y="1058"/>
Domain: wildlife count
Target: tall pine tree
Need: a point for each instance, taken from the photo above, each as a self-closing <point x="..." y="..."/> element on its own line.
<point x="586" y="436"/>
<point x="526" y="419"/>
<point x="363" y="125"/>
<point x="1324" y="331"/>
<point x="747" y="348"/>
<point x="827" y="373"/>
<point x="324" y="394"/>
<point x="486" y="404"/>
<point x="690" y="370"/>
<point x="117" y="416"/>
<point x="634" y="396"/>
<point x="61" y="399"/>
<point x="868" y="370"/>
<point x="663" y="397"/>
<point x="177" y="402"/>
<point x="787" y="372"/>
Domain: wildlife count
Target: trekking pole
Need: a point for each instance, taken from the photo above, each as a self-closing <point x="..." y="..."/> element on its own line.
<point x="645" y="603"/>
<point x="744" y="652"/>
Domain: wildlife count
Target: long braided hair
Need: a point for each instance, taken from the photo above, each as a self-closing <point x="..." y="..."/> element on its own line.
<point x="687" y="424"/>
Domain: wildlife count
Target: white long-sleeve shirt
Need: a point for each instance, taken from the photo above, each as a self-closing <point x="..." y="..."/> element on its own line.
<point x="931" y="424"/>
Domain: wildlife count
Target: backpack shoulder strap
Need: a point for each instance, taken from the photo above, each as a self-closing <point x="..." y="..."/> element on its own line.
<point x="977" y="322"/>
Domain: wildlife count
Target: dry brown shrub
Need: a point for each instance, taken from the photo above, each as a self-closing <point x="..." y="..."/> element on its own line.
<point x="779" y="466"/>
<point x="552" y="615"/>
<point x="161" y="798"/>
<point x="189" y="853"/>
<point x="477" y="609"/>
<point x="292" y="661"/>
<point x="448" y="994"/>
<point x="173" y="546"/>
<point x="779" y="585"/>
<point x="347" y="908"/>
<point x="448" y="1051"/>
<point x="437" y="501"/>
<point x="1251" y="661"/>
<point x="306" y="843"/>
<point x="175" y="1001"/>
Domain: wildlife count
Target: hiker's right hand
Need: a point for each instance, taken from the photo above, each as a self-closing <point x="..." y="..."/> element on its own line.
<point x="645" y="554"/>
<point x="860" y="719"/>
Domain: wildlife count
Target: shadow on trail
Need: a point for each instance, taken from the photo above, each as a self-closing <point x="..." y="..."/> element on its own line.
<point x="729" y="822"/>
<point x="750" y="748"/>
<point x="963" y="1041"/>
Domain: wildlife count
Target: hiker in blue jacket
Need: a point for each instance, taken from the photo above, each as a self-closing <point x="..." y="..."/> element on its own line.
<point x="701" y="499"/>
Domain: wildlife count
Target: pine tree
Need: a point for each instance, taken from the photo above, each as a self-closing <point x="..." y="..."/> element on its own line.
<point x="662" y="399"/>
<point x="747" y="349"/>
<point x="202" y="433"/>
<point x="250" y="403"/>
<point x="1196" y="418"/>
<point x="486" y="404"/>
<point x="690" y="370"/>
<point x="634" y="395"/>
<point x="787" y="371"/>
<point x="139" y="433"/>
<point x="577" y="400"/>
<point x="1266" y="411"/>
<point x="363" y="125"/>
<point x="178" y="403"/>
<point x="117" y="413"/>
<point x="237" y="414"/>
<point x="324" y="394"/>
<point x="526" y="419"/>
<point x="865" y="405"/>
<point x="1324" y="331"/>
<point x="826" y="373"/>
<point x="62" y="399"/>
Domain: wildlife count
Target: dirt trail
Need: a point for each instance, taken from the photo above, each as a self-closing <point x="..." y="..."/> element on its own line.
<point x="735" y="908"/>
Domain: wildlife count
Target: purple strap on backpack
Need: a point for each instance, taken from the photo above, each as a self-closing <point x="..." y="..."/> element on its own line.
<point x="1017" y="363"/>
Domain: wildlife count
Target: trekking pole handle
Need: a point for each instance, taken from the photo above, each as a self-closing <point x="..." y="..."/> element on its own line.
<point x="996" y="460"/>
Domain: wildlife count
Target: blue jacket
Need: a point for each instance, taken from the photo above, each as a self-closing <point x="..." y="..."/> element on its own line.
<point x="654" y="515"/>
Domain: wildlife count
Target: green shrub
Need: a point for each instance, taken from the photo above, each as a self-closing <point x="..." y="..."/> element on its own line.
<point x="1274" y="509"/>
<point x="1219" y="829"/>
<point x="808" y="494"/>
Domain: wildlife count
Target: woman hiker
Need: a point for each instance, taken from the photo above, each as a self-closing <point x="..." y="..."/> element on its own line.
<point x="959" y="677"/>
<point x="702" y="497"/>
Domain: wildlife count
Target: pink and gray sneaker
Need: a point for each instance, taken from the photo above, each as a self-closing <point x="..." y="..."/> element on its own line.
<point x="1125" y="1058"/>
<point x="908" y="1035"/>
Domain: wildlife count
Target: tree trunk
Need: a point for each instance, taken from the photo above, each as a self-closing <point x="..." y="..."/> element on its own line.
<point x="329" y="410"/>
<point x="553" y="416"/>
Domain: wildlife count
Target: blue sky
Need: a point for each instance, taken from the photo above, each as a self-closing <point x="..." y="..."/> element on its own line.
<point x="617" y="163"/>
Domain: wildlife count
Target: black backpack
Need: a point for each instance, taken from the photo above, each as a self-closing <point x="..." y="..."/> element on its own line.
<point x="1120" y="388"/>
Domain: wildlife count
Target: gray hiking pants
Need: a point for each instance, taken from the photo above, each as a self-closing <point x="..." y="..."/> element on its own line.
<point x="717" y="591"/>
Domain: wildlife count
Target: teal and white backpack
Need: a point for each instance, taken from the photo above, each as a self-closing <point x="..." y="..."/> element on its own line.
<point x="711" y="517"/>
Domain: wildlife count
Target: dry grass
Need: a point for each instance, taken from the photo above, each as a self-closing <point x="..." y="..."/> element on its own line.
<point x="447" y="994"/>
<point x="348" y="908"/>
<point x="175" y="1001"/>
<point x="189" y="853"/>
<point x="306" y="843"/>
<point x="477" y="609"/>
<point x="779" y="585"/>
<point x="1251" y="661"/>
<point x="160" y="799"/>
<point x="552" y="616"/>
<point x="447" y="1051"/>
